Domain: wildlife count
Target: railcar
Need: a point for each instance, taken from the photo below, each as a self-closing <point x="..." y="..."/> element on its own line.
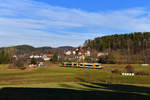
<point x="82" y="65"/>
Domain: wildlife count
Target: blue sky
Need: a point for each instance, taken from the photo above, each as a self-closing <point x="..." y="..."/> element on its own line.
<point x="69" y="22"/>
<point x="98" y="5"/>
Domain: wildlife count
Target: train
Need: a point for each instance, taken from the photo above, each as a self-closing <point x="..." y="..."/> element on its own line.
<point x="82" y="65"/>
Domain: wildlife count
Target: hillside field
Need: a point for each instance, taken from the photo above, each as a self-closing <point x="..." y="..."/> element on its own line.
<point x="78" y="83"/>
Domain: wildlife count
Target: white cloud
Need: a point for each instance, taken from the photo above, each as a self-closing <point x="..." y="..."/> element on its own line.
<point x="39" y="24"/>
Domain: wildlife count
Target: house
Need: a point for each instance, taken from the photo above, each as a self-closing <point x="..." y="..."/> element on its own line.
<point x="69" y="52"/>
<point x="77" y="52"/>
<point x="73" y="52"/>
<point x="88" y="53"/>
<point x="35" y="56"/>
<point x="102" y="54"/>
<point x="84" y="52"/>
<point x="47" y="57"/>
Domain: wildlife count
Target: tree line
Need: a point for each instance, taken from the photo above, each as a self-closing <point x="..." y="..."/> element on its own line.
<point x="6" y="55"/>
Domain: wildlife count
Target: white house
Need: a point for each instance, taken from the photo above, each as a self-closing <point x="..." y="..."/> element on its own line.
<point x="102" y="54"/>
<point x="88" y="53"/>
<point x="35" y="56"/>
<point x="47" y="57"/>
<point x="68" y="52"/>
<point x="74" y="52"/>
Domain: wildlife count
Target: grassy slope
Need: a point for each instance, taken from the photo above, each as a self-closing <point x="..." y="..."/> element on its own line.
<point x="71" y="83"/>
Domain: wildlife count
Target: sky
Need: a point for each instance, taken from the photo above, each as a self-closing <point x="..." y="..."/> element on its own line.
<point x="69" y="22"/>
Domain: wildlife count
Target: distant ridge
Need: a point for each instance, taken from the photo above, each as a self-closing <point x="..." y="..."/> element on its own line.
<point x="65" y="47"/>
<point x="23" y="49"/>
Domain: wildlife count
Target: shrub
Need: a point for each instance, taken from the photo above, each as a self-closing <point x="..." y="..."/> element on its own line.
<point x="130" y="69"/>
<point x="33" y="61"/>
<point x="142" y="73"/>
<point x="116" y="71"/>
<point x="110" y="59"/>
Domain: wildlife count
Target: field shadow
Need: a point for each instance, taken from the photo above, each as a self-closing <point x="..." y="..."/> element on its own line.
<point x="121" y="92"/>
<point x="125" y="88"/>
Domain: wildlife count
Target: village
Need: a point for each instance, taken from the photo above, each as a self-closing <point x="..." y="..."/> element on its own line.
<point x="69" y="55"/>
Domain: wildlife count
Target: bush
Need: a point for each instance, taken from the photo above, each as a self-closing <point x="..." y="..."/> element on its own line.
<point x="142" y="73"/>
<point x="116" y="71"/>
<point x="33" y="61"/>
<point x="130" y="69"/>
<point x="110" y="59"/>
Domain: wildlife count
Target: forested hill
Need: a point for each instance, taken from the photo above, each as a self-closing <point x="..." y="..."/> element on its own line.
<point x="65" y="47"/>
<point x="136" y="41"/>
<point x="22" y="49"/>
<point x="27" y="49"/>
<point x="124" y="48"/>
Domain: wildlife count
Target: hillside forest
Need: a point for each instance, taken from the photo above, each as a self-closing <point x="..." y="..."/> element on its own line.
<point x="122" y="48"/>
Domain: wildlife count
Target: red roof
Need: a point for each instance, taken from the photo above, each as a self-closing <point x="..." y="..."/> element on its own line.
<point x="83" y="51"/>
<point x="41" y="55"/>
<point x="49" y="55"/>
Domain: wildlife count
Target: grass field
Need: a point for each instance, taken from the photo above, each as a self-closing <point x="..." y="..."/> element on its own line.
<point x="66" y="83"/>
